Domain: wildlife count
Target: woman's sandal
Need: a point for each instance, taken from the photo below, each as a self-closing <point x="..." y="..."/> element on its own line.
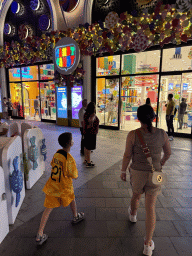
<point x="90" y="164"/>
<point x="41" y="239"/>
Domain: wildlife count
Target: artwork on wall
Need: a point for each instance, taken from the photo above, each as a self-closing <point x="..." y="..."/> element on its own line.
<point x="33" y="152"/>
<point x="16" y="180"/>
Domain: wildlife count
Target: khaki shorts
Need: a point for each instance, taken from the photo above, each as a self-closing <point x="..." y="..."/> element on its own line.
<point x="53" y="202"/>
<point x="140" y="183"/>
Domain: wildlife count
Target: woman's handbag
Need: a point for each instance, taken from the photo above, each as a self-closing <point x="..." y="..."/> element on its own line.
<point x="157" y="178"/>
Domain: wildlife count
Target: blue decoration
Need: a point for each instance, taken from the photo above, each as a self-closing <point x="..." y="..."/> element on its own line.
<point x="44" y="149"/>
<point x="34" y="4"/>
<point x="33" y="153"/>
<point x="15" y="7"/>
<point x="7" y="29"/>
<point x="16" y="180"/>
<point x="44" y="22"/>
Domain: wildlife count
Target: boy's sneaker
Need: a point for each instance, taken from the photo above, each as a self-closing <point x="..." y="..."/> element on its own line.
<point x="90" y="165"/>
<point x="148" y="250"/>
<point x="80" y="217"/>
<point x="132" y="218"/>
<point x="41" y="239"/>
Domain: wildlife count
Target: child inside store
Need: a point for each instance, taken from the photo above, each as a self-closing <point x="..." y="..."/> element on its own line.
<point x="59" y="187"/>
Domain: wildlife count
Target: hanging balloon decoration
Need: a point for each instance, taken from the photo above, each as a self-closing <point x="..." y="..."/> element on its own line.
<point x="7" y="29"/>
<point x="44" y="22"/>
<point x="17" y="8"/>
<point x="33" y="153"/>
<point x="35" y="4"/>
<point x="16" y="180"/>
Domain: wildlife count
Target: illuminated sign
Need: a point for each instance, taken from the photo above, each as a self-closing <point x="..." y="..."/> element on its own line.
<point x="61" y="102"/>
<point x="66" y="56"/>
<point x="76" y="101"/>
<point x="25" y="73"/>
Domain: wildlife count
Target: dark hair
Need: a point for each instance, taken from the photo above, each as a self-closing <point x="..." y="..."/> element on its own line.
<point x="146" y="115"/>
<point x="148" y="101"/>
<point x="65" y="139"/>
<point x="170" y="95"/>
<point x="90" y="108"/>
<point x="185" y="112"/>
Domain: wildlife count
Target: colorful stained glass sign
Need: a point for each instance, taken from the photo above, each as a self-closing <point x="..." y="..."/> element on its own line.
<point x="66" y="56"/>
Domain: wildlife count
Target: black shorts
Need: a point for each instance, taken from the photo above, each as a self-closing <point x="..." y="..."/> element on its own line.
<point x="90" y="141"/>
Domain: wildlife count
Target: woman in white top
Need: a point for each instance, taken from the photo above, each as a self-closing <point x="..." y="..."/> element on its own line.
<point x="157" y="140"/>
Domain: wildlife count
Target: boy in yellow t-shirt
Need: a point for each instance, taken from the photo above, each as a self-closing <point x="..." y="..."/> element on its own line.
<point x="59" y="187"/>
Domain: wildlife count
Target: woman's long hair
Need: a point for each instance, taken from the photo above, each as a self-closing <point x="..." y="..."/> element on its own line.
<point x="90" y="109"/>
<point x="146" y="115"/>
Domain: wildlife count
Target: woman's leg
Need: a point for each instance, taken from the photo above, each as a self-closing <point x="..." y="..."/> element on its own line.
<point x="44" y="219"/>
<point x="88" y="156"/>
<point x="73" y="208"/>
<point x="135" y="203"/>
<point x="150" y="201"/>
<point x="85" y="153"/>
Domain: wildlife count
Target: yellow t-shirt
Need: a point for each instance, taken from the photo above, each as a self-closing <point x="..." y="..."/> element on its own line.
<point x="64" y="169"/>
<point x="169" y="105"/>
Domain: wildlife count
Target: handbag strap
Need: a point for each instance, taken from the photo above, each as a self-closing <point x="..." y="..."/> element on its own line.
<point x="145" y="149"/>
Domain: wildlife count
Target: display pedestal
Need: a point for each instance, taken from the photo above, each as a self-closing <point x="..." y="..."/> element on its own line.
<point x="36" y="168"/>
<point x="11" y="150"/>
<point x="4" y="225"/>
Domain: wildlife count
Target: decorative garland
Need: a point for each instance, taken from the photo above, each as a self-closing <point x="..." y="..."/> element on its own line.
<point x="138" y="30"/>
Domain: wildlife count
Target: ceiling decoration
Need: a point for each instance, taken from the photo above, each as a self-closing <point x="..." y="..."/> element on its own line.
<point x="35" y="4"/>
<point x="44" y="22"/>
<point x="68" y="5"/>
<point x="17" y="8"/>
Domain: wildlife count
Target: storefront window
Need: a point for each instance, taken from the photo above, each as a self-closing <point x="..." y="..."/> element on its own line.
<point x="177" y="59"/>
<point x="14" y="74"/>
<point x="16" y="99"/>
<point x="143" y="62"/>
<point x="107" y="101"/>
<point x="47" y="72"/>
<point x="76" y="97"/>
<point x="30" y="73"/>
<point x="48" y="105"/>
<point x="134" y="92"/>
<point x="108" y="66"/>
<point x="31" y="100"/>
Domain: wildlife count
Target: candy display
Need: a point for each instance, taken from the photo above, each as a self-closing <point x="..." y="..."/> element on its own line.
<point x="44" y="22"/>
<point x="23" y="31"/>
<point x="7" y="29"/>
<point x="140" y="42"/>
<point x="16" y="180"/>
<point x="111" y="20"/>
<point x="35" y="4"/>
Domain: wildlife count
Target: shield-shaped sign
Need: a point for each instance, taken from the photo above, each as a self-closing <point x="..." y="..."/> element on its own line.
<point x="66" y="56"/>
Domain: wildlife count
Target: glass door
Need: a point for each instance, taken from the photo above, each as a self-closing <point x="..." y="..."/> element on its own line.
<point x="170" y="84"/>
<point x="107" y="101"/>
<point x="134" y="92"/>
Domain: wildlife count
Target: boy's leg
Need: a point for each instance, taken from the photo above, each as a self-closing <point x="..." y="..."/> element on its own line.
<point x="73" y="208"/>
<point x="44" y="219"/>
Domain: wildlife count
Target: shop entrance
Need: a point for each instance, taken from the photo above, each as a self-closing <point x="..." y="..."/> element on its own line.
<point x="107" y="101"/>
<point x="134" y="92"/>
<point x="181" y="88"/>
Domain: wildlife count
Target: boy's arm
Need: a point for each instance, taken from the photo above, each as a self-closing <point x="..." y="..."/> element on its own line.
<point x="72" y="170"/>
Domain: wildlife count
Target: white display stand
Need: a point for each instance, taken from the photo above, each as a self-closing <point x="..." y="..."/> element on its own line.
<point x="4" y="225"/>
<point x="9" y="149"/>
<point x="34" y="175"/>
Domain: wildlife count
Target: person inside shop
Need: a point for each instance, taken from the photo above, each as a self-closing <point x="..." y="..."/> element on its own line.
<point x="110" y="108"/>
<point x="4" y="127"/>
<point x="156" y="140"/>
<point x="36" y="105"/>
<point x="81" y="119"/>
<point x="10" y="109"/>
<point x="5" y="108"/>
<point x="90" y="130"/>
<point x="170" y="107"/>
<point x="148" y="102"/>
<point x="185" y="120"/>
<point x="181" y="112"/>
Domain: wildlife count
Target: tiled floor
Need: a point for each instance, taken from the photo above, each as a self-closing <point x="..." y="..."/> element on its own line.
<point x="104" y="198"/>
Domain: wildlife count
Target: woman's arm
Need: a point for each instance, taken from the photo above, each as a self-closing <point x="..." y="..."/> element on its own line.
<point x="127" y="155"/>
<point x="166" y="150"/>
